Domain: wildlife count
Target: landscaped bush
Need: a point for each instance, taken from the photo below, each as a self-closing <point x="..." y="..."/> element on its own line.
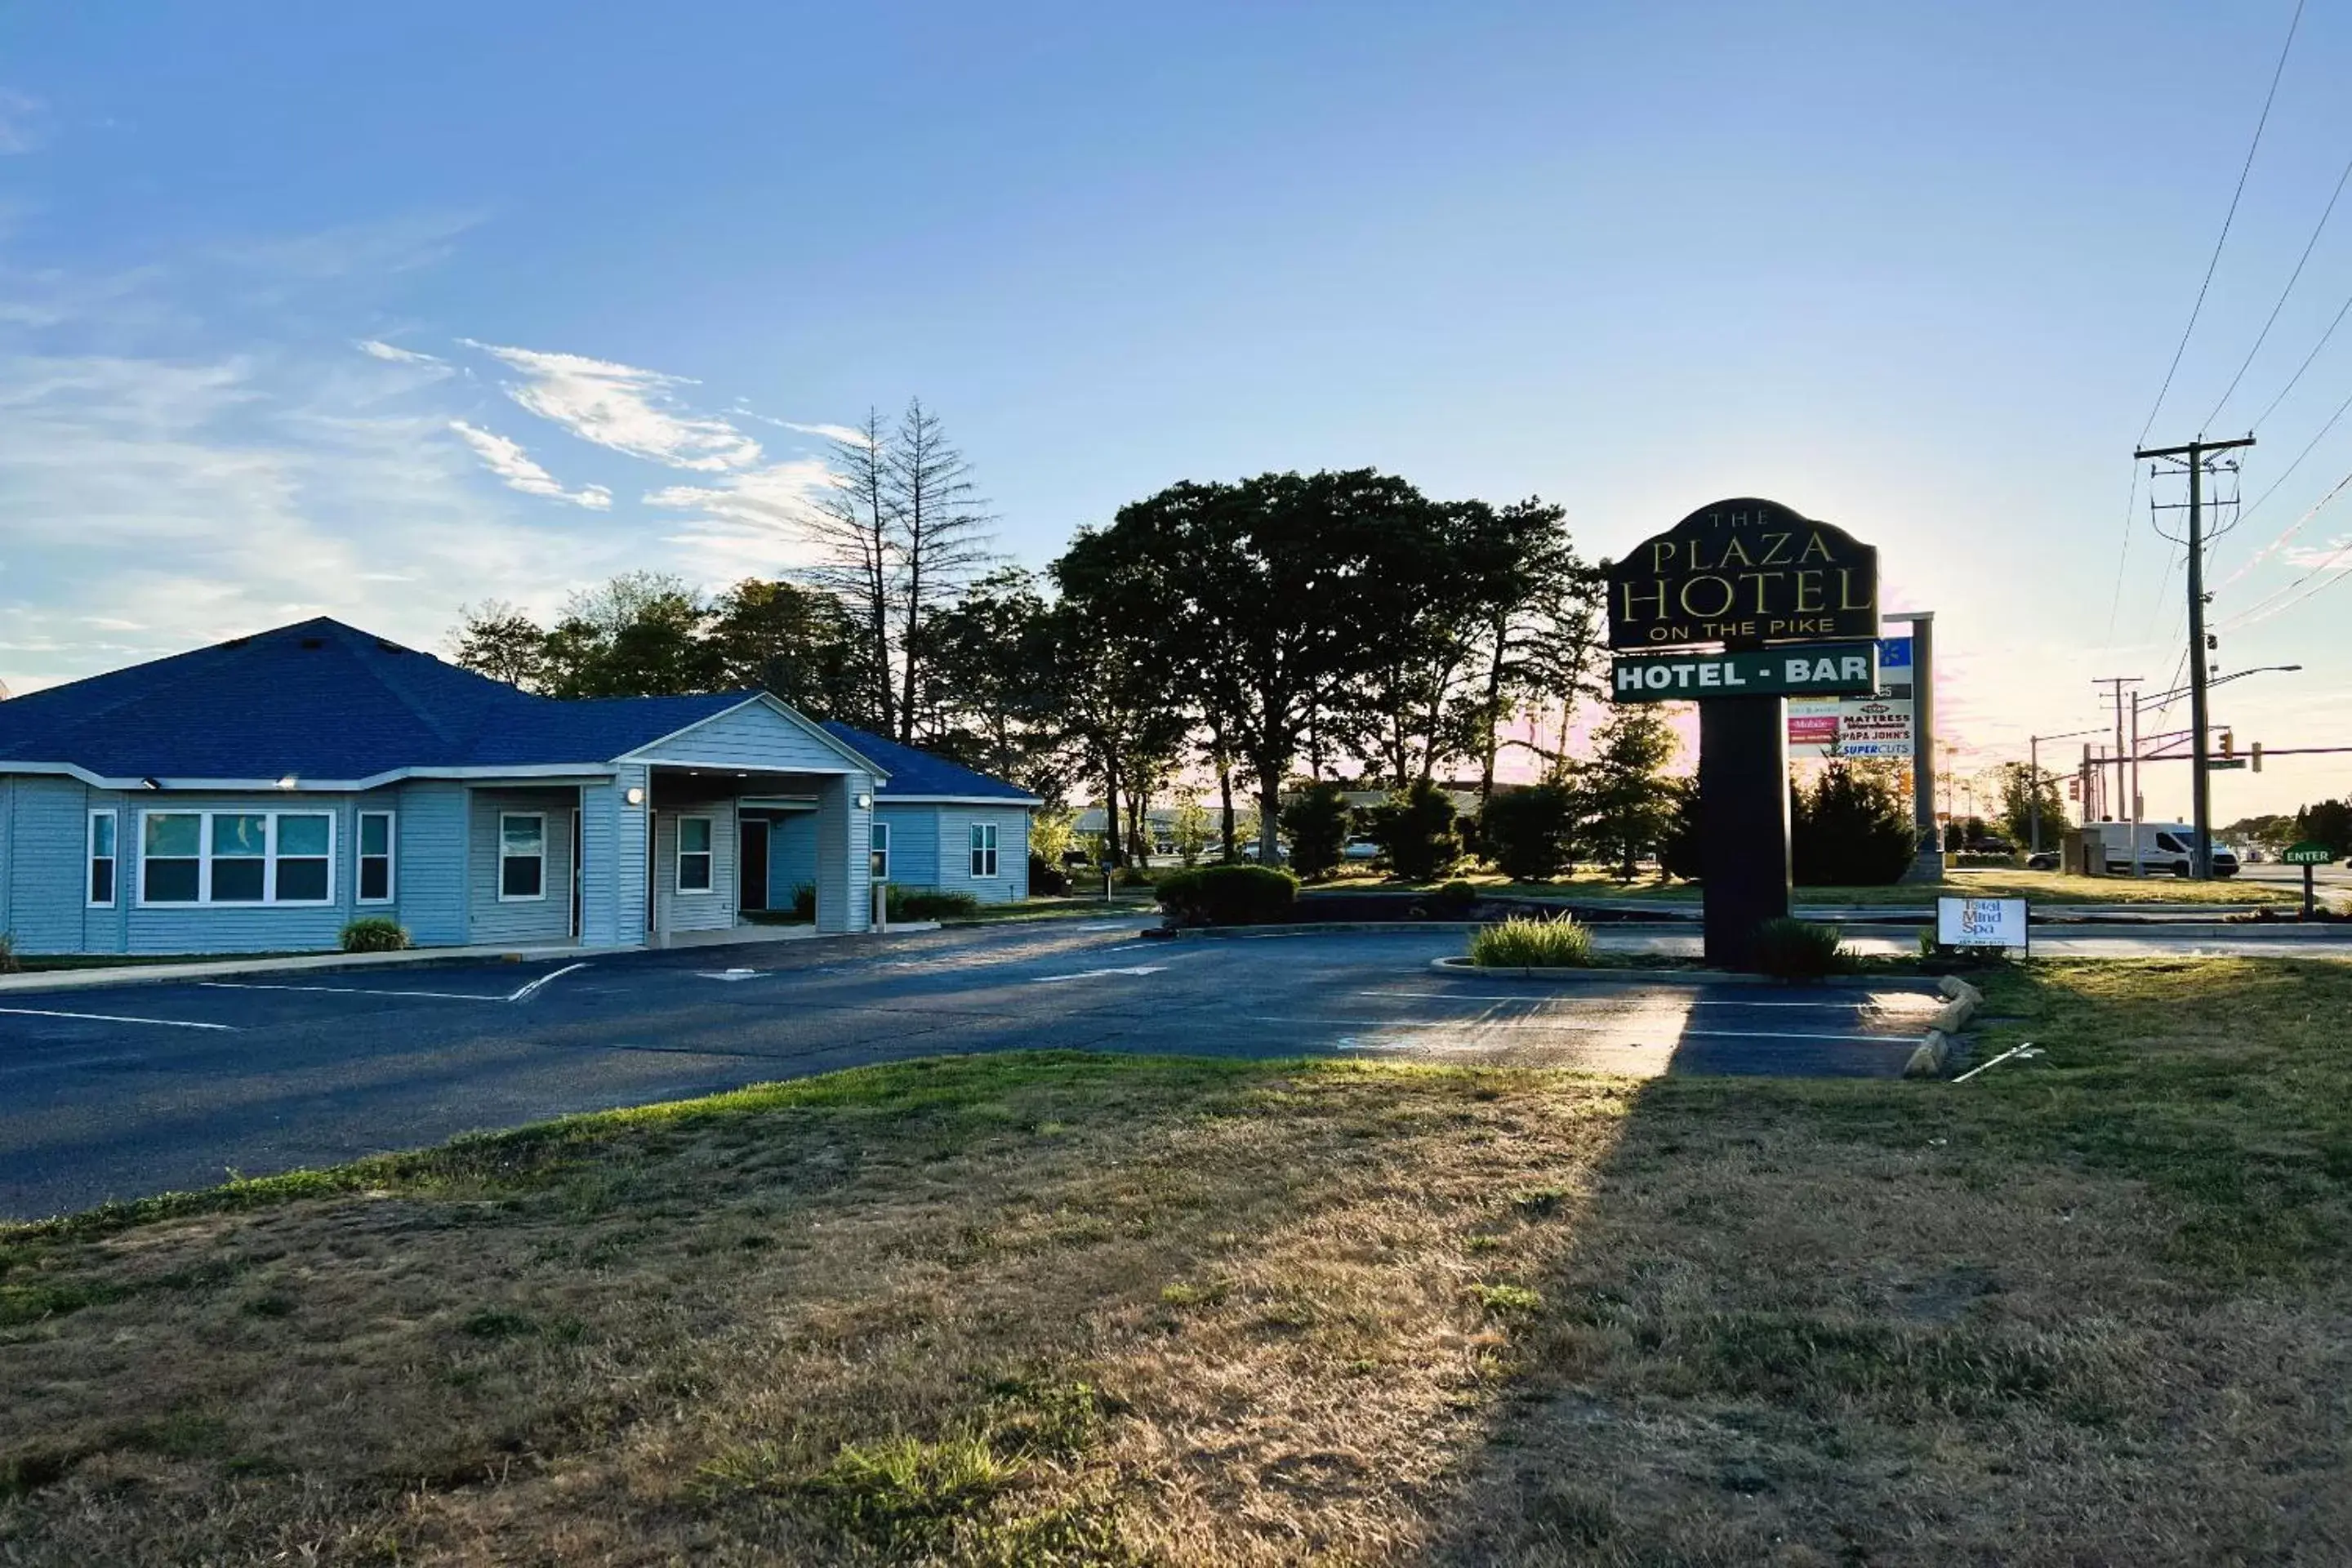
<point x="1317" y="825"/>
<point x="1416" y="827"/>
<point x="1047" y="881"/>
<point x="1519" y="944"/>
<point x="1452" y="901"/>
<point x="1529" y="833"/>
<point x="1798" y="950"/>
<point x="928" y="904"/>
<point x="1228" y="896"/>
<point x="1851" y="829"/>
<point x="376" y="934"/>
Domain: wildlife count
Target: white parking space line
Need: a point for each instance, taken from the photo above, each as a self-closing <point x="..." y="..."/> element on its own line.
<point x="114" y="1018"/>
<point x="1092" y="973"/>
<point x="1399" y="1028"/>
<point x="526" y="992"/>
<point x="348" y="991"/>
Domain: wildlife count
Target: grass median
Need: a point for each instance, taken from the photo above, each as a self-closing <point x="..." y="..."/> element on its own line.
<point x="1044" y="1308"/>
<point x="2039" y="887"/>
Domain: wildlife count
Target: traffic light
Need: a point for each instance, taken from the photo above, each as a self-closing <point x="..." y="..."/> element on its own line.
<point x="2075" y="789"/>
<point x="2254" y="754"/>
<point x="2229" y="745"/>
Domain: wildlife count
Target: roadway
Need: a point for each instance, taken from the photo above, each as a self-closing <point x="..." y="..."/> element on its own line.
<point x="124" y="1093"/>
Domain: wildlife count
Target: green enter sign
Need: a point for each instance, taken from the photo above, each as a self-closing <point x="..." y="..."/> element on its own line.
<point x="1803" y="669"/>
<point x="2308" y="855"/>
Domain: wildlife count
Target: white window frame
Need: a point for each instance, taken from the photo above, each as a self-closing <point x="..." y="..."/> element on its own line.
<point x="540" y="895"/>
<point x="878" y="851"/>
<point x="203" y="858"/>
<point x="113" y="861"/>
<point x="359" y="858"/>
<point x="677" y="853"/>
<point x="983" y="843"/>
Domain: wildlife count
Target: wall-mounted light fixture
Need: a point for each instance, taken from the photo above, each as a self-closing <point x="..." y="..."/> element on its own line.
<point x="285" y="782"/>
<point x="151" y="784"/>
<point x="635" y="795"/>
<point x="863" y="802"/>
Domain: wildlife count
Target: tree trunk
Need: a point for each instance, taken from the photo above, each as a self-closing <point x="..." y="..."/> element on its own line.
<point x="1269" y="810"/>
<point x="1231" y="851"/>
<point x="1111" y="852"/>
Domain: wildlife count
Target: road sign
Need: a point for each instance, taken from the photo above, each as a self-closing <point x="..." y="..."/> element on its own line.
<point x="2308" y="854"/>
<point x="1744" y="572"/>
<point x="1982" y="922"/>
<point x="2219" y="763"/>
<point x="1813" y="669"/>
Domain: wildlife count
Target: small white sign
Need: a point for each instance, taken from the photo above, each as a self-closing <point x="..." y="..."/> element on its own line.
<point x="1980" y="922"/>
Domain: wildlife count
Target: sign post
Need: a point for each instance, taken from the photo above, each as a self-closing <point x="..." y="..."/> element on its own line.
<point x="2308" y="855"/>
<point x="1790" y="603"/>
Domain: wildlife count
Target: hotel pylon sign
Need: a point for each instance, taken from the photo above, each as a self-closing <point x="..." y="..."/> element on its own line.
<point x="1782" y="604"/>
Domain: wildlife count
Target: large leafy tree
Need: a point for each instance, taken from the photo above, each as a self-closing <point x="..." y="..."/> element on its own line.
<point x="2019" y="806"/>
<point x="984" y="666"/>
<point x="1261" y="602"/>
<point x="640" y="634"/>
<point x="800" y="644"/>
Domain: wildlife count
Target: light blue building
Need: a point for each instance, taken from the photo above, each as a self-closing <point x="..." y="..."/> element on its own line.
<point x="258" y="794"/>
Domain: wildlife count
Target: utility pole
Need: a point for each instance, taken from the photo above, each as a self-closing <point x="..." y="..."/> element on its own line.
<point x="2192" y="457"/>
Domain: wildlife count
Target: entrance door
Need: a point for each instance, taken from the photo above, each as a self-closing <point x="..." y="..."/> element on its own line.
<point x="751" y="882"/>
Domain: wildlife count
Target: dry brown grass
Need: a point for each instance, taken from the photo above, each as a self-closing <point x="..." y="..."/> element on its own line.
<point x="1082" y="1310"/>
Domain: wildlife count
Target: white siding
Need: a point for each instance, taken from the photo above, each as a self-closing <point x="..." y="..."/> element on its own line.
<point x="713" y="910"/>
<point x="844" y="880"/>
<point x="954" y="838"/>
<point x="429" y="851"/>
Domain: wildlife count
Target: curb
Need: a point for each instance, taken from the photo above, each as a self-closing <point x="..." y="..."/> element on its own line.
<point x="1231" y="934"/>
<point x="1939" y="1045"/>
<point x="1667" y="976"/>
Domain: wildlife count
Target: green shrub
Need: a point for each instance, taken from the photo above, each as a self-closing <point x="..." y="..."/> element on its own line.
<point x="1416" y="827"/>
<point x="1791" y="949"/>
<point x="1529" y="833"/>
<point x="1228" y="896"/>
<point x="1519" y="944"/>
<point x="376" y="934"/>
<point x="1317" y="825"/>
<point x="1850" y="830"/>
<point x="928" y="904"/>
<point x="1046" y="879"/>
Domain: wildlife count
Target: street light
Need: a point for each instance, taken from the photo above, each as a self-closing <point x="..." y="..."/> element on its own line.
<point x="2199" y="797"/>
<point x="2033" y="796"/>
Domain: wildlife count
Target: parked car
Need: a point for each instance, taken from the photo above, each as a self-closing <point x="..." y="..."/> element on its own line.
<point x="2042" y="860"/>
<point x="1251" y="853"/>
<point x="1989" y="844"/>
<point x="1359" y="849"/>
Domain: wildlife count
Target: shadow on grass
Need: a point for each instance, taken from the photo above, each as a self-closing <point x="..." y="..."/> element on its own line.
<point x="1830" y="1322"/>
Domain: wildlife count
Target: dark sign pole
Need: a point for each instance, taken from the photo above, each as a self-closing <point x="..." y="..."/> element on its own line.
<point x="1748" y="576"/>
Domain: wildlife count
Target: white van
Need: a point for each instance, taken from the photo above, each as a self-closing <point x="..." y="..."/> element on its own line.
<point x="2166" y="848"/>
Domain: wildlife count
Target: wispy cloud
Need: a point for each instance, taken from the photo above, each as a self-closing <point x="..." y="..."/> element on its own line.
<point x="379" y="350"/>
<point x="23" y="123"/>
<point x="848" y="433"/>
<point x="513" y="466"/>
<point x="625" y="408"/>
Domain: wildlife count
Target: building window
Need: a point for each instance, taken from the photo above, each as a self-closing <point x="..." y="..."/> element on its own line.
<point x="375" y="856"/>
<point x="304" y="844"/>
<point x="522" y="855"/>
<point x="694" y="855"/>
<point x="983" y="849"/>
<point x="170" y="857"/>
<point x="240" y="841"/>
<point x="101" y="859"/>
<point x="878" y="842"/>
<point x="232" y="857"/>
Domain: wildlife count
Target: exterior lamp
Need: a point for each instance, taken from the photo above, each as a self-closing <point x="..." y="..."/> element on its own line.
<point x="285" y="782"/>
<point x="635" y="795"/>
<point x="863" y="802"/>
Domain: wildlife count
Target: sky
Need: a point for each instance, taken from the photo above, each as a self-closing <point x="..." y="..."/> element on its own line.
<point x="379" y="311"/>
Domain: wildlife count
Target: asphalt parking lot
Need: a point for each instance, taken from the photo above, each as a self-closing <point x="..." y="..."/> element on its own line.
<point x="122" y="1092"/>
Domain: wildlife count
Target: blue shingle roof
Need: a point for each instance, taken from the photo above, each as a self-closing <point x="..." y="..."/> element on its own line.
<point x="917" y="774"/>
<point x="322" y="701"/>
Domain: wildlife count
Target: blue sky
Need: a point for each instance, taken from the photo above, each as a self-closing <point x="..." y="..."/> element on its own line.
<point x="375" y="311"/>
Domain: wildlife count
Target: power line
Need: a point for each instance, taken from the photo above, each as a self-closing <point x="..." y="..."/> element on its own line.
<point x="2227" y="219"/>
<point x="2263" y="336"/>
<point x="2267" y="550"/>
<point x="2297" y="376"/>
<point x="2265" y="608"/>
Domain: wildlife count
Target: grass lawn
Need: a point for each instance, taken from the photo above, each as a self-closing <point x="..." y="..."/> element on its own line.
<point x="2092" y="1308"/>
<point x="2041" y="887"/>
<point x="1124" y="901"/>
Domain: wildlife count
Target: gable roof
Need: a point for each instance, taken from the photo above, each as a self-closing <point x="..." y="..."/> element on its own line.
<point x="919" y="776"/>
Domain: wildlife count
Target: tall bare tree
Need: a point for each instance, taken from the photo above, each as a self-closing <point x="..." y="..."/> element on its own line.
<point x="856" y="528"/>
<point x="941" y="538"/>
